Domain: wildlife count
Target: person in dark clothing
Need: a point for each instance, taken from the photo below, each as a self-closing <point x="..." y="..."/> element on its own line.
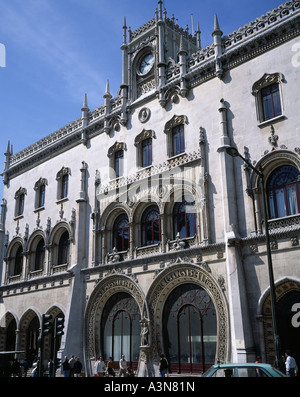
<point x="77" y="367"/>
<point x="163" y="366"/>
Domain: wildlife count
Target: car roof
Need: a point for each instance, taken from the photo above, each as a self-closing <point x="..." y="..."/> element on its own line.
<point x="231" y="365"/>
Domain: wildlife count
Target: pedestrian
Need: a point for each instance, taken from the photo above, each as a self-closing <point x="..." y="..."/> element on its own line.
<point x="50" y="368"/>
<point x="110" y="367"/>
<point x="163" y="366"/>
<point x="77" y="367"/>
<point x="291" y="368"/>
<point x="99" y="369"/>
<point x="123" y="366"/>
<point x="66" y="367"/>
<point x="25" y="365"/>
<point x="71" y="362"/>
<point x="15" y="369"/>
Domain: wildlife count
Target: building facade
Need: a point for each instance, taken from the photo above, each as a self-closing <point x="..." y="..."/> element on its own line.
<point x="136" y="226"/>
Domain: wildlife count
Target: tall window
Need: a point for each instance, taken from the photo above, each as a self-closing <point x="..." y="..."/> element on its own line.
<point x="119" y="157"/>
<point x="40" y="190"/>
<point x="121" y="329"/>
<point x="39" y="255"/>
<point x="184" y="218"/>
<point x="64" y="186"/>
<point x="178" y="144"/>
<point x="190" y="329"/>
<point x="270" y="96"/>
<point x="267" y="91"/>
<point x="63" y="249"/>
<point x="150" y="226"/>
<point x="146" y="152"/>
<point x="18" y="262"/>
<point x="283" y="189"/>
<point x="121" y="233"/>
<point x="62" y="178"/>
<point x="20" y="201"/>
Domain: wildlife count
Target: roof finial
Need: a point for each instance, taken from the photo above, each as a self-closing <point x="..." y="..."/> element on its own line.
<point x="124" y="31"/>
<point x="160" y="4"/>
<point x="85" y="104"/>
<point x="217" y="30"/>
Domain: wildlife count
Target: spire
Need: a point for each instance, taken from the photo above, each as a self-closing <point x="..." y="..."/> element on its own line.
<point x="160" y="15"/>
<point x="107" y="93"/>
<point x="198" y="36"/>
<point x="217" y="30"/>
<point x="85" y="119"/>
<point x="124" y="32"/>
<point x="85" y="104"/>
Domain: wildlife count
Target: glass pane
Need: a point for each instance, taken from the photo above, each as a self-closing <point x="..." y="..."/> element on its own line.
<point x="280" y="203"/>
<point x="292" y="200"/>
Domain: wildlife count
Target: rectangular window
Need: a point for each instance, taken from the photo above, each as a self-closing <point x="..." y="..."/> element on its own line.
<point x="146" y="152"/>
<point x="20" y="205"/>
<point x="270" y="96"/>
<point x="64" y="186"/>
<point x="41" y="201"/>
<point x="178" y="145"/>
<point x="119" y="163"/>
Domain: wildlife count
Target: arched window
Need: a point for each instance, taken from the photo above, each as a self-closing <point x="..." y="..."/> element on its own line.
<point x="190" y="329"/>
<point x="184" y="218"/>
<point x="283" y="190"/>
<point x="150" y="226"/>
<point x="121" y="329"/>
<point x="39" y="255"/>
<point x="121" y="233"/>
<point x="18" y="262"/>
<point x="63" y="249"/>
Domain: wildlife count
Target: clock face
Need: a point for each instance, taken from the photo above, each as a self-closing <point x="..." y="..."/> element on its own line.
<point x="146" y="64"/>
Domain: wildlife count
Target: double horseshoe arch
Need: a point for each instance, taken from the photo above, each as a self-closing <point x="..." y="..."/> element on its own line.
<point x="152" y="305"/>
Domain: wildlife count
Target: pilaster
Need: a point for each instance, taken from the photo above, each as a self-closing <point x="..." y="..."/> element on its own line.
<point x="241" y="332"/>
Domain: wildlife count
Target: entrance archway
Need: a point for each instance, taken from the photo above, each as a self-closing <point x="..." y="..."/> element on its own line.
<point x="183" y="290"/>
<point x="287" y="294"/>
<point x="190" y="329"/>
<point x="113" y="317"/>
<point x="120" y="324"/>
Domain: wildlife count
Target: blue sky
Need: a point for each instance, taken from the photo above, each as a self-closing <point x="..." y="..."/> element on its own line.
<point x="58" y="50"/>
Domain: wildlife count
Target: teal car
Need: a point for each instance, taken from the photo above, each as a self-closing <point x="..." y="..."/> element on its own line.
<point x="248" y="370"/>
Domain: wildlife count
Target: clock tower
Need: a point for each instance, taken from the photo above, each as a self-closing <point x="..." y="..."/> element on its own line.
<point x="151" y="51"/>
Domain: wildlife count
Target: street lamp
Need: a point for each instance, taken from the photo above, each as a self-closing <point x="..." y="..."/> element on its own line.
<point x="233" y="152"/>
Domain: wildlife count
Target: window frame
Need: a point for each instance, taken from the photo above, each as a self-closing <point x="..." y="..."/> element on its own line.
<point x="62" y="178"/>
<point x="144" y="136"/>
<point x="20" y="202"/>
<point x="123" y="230"/>
<point x="267" y="80"/>
<point x="271" y="192"/>
<point x="170" y="129"/>
<point x="145" y="223"/>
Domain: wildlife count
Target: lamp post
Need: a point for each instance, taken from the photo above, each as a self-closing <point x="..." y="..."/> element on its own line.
<point x="233" y="152"/>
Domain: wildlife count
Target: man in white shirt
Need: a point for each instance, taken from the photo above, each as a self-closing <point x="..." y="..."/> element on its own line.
<point x="123" y="366"/>
<point x="290" y="365"/>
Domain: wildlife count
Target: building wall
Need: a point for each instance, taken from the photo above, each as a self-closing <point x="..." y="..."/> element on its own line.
<point x="227" y="258"/>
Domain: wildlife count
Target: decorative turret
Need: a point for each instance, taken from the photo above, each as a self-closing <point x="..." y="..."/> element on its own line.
<point x="182" y="54"/>
<point x="84" y="116"/>
<point x="8" y="153"/>
<point x="217" y="35"/>
<point x="107" y="105"/>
